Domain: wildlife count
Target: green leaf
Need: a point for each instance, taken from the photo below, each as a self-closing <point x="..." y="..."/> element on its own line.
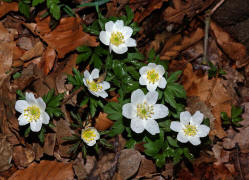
<point x="36" y="2"/>
<point x="133" y="72"/>
<point x="93" y="106"/>
<point x="118" y="69"/>
<point x="96" y="61"/>
<point x="224" y="116"/>
<point x="130" y="143"/>
<point x="172" y="142"/>
<point x="83" y="149"/>
<point x="51" y="125"/>
<point x="187" y="154"/>
<point x="41" y="135"/>
<point x="84" y="102"/>
<point x="176" y="89"/>
<point x="151" y="55"/>
<point x="17" y="75"/>
<point x="55" y="10"/>
<point x="152" y="147"/>
<point x="27" y="131"/>
<point x="93" y="4"/>
<point x="130" y="15"/>
<point x="160" y="160"/>
<point x="237" y="119"/>
<point x="165" y="125"/>
<point x="169" y="98"/>
<point x="83" y="57"/>
<point x="68" y="10"/>
<point x="236" y="111"/>
<point x="174" y="76"/>
<point x="105" y="143"/>
<point x="48" y="96"/>
<point x="20" y="94"/>
<point x="83" y="49"/>
<point x="117" y="128"/>
<point x="137" y="56"/>
<point x="74" y="137"/>
<point x="24" y="9"/>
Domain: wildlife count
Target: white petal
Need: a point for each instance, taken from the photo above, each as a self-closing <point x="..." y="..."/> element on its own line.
<point x="97" y="134"/>
<point x="109" y="26"/>
<point x="142" y="81"/>
<point x="162" y="82"/>
<point x="175" y="126"/>
<point x="36" y="125"/>
<point x="152" y="126"/>
<point x="86" y="74"/>
<point x="91" y="143"/>
<point x="119" y="25"/>
<point x="30" y="98"/>
<point x="143" y="70"/>
<point x="95" y="73"/>
<point x="137" y="96"/>
<point x="127" y="31"/>
<point x="121" y="49"/>
<point x="137" y="125"/>
<point x="203" y="130"/>
<point x="104" y="38"/>
<point x="45" y="118"/>
<point x="195" y="140"/>
<point x="21" y="105"/>
<point x="84" y="80"/>
<point x="131" y="42"/>
<point x="105" y="85"/>
<point x="151" y="97"/>
<point x="41" y="103"/>
<point x="128" y="110"/>
<point x="182" y="138"/>
<point x="102" y="94"/>
<point x="197" y="118"/>
<point x="185" y="117"/>
<point x="160" y="111"/>
<point x="152" y="65"/>
<point x="22" y="120"/>
<point x="151" y="87"/>
<point x="160" y="69"/>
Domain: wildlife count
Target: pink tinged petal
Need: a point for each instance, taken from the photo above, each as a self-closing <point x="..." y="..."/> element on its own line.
<point x="142" y="81"/>
<point x="195" y="140"/>
<point x="203" y="130"/>
<point x="152" y="65"/>
<point x="197" y="118"/>
<point x="152" y="127"/>
<point x="185" y="117"/>
<point x="119" y="25"/>
<point x="41" y="103"/>
<point x="137" y="96"/>
<point x="36" y="126"/>
<point x="175" y="126"/>
<point x="143" y="70"/>
<point x="182" y="138"/>
<point x="45" y="118"/>
<point x="104" y="38"/>
<point x="22" y="120"/>
<point x="162" y="83"/>
<point x="121" y="49"/>
<point x="95" y="73"/>
<point x="128" y="110"/>
<point x="109" y="26"/>
<point x="21" y="105"/>
<point x="30" y="98"/>
<point x="160" y="69"/>
<point x="86" y="74"/>
<point x="151" y="97"/>
<point x="151" y="87"/>
<point x="137" y="125"/>
<point x="131" y="42"/>
<point x="160" y="111"/>
<point x="127" y="32"/>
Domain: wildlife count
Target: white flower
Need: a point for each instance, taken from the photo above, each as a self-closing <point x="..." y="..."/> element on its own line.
<point x="152" y="76"/>
<point x="96" y="88"/>
<point x="32" y="111"/>
<point x="90" y="135"/>
<point x="143" y="111"/>
<point x="117" y="36"/>
<point x="189" y="128"/>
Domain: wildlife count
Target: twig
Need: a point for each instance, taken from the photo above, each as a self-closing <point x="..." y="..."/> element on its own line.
<point x="71" y="95"/>
<point x="238" y="161"/>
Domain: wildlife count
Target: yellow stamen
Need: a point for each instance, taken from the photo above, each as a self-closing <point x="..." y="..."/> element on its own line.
<point x="88" y="135"/>
<point x="117" y="38"/>
<point x="145" y="111"/>
<point x="33" y="113"/>
<point x="190" y="130"/>
<point x="152" y="76"/>
<point x="93" y="86"/>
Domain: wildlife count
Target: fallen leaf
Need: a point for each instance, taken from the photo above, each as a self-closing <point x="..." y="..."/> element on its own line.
<point x="25" y="43"/>
<point x="6" y="7"/>
<point x="235" y="50"/>
<point x="49" y="144"/>
<point x="79" y="170"/>
<point x="5" y="154"/>
<point x="37" y="50"/>
<point x="23" y="156"/>
<point x="147" y="167"/>
<point x="176" y="44"/>
<point x="129" y="162"/>
<point x="49" y="170"/>
<point x="188" y="8"/>
<point x="102" y="122"/>
<point x="49" y="57"/>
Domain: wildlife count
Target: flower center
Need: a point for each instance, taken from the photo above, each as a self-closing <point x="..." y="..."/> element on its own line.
<point x="93" y="86"/>
<point x="145" y="111"/>
<point x="152" y="76"/>
<point x="190" y="130"/>
<point x="33" y="113"/>
<point x="88" y="135"/>
<point x="117" y="38"/>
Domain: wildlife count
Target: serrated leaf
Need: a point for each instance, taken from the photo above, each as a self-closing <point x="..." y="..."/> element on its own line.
<point x="27" y="131"/>
<point x="176" y="89"/>
<point x="117" y="128"/>
<point x="55" y="10"/>
<point x="174" y="76"/>
<point x="172" y="142"/>
<point x="224" y="116"/>
<point x="130" y="143"/>
<point x="24" y="9"/>
<point x="236" y="111"/>
<point x="169" y="98"/>
<point x="41" y="135"/>
<point x="36" y="2"/>
<point x="130" y="15"/>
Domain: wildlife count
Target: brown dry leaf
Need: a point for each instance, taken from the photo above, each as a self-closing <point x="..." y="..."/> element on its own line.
<point x="212" y="92"/>
<point x="49" y="58"/>
<point x="182" y="8"/>
<point x="129" y="162"/>
<point x="25" y="43"/>
<point x="49" y="144"/>
<point x="22" y="156"/>
<point x="49" y="170"/>
<point x="147" y="167"/>
<point x="6" y="7"/>
<point x="233" y="49"/>
<point x="176" y="44"/>
<point x="5" y="154"/>
<point x="65" y="37"/>
<point x="102" y="122"/>
<point x="37" y="50"/>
